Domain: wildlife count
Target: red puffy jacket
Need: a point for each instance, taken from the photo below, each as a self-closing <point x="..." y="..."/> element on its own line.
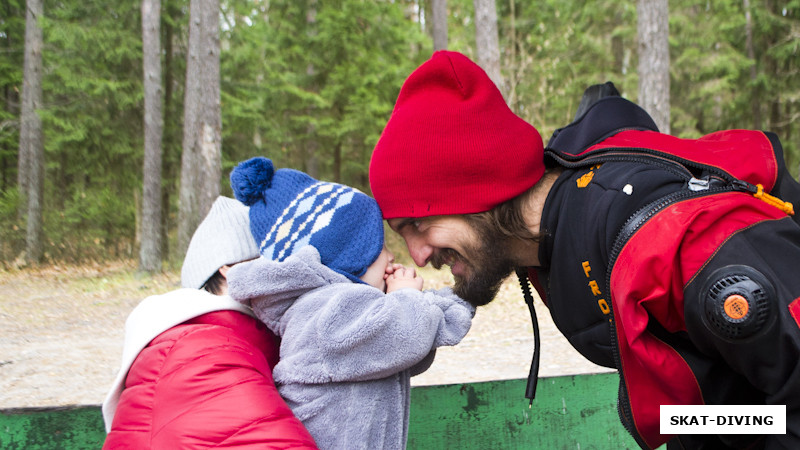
<point x="206" y="383"/>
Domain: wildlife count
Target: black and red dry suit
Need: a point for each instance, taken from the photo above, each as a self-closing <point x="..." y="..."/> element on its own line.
<point x="666" y="259"/>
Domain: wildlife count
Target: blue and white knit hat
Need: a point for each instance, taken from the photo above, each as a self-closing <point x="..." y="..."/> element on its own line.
<point x="289" y="210"/>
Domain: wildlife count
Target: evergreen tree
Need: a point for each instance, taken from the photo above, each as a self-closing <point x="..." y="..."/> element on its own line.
<point x="12" y="46"/>
<point x="201" y="160"/>
<point x="311" y="83"/>
<point x="653" y="31"/>
<point x="552" y="50"/>
<point x="174" y="26"/>
<point x="439" y="19"/>
<point x="31" y="147"/>
<point x="92" y="125"/>
<point x="486" y="45"/>
<point x="286" y="89"/>
<point x="726" y="81"/>
<point x="150" y="247"/>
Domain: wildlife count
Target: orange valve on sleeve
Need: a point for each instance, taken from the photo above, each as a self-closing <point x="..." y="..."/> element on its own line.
<point x="736" y="307"/>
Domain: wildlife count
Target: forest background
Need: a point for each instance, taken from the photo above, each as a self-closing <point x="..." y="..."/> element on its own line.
<point x="311" y="84"/>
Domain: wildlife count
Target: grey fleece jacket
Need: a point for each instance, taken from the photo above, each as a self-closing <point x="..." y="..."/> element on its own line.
<point x="348" y="350"/>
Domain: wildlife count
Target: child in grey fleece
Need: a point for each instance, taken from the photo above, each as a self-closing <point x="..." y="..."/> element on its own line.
<point x="354" y="326"/>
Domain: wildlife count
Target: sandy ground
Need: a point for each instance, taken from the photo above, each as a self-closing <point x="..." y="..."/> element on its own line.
<point x="61" y="332"/>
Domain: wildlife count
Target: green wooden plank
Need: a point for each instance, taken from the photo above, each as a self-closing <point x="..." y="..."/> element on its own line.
<point x="573" y="412"/>
<point x="67" y="428"/>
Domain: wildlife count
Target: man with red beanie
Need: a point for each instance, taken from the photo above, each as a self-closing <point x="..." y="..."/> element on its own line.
<point x="672" y="260"/>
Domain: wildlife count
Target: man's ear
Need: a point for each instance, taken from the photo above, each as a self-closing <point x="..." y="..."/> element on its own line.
<point x="224" y="271"/>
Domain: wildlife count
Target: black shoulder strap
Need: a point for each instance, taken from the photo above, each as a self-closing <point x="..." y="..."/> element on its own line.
<point x="594" y="93"/>
<point x="602" y="113"/>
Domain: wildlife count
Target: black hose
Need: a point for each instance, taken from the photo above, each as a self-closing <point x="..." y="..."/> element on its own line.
<point x="533" y="374"/>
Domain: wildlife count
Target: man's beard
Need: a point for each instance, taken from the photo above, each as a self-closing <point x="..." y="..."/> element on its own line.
<point x="487" y="267"/>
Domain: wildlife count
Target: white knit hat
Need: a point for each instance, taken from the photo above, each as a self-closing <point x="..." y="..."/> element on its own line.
<point x="223" y="237"/>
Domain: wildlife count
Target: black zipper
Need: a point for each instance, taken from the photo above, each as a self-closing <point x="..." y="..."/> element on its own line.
<point x="676" y="165"/>
<point x="671" y="163"/>
<point x="664" y="163"/>
<point x="631" y="226"/>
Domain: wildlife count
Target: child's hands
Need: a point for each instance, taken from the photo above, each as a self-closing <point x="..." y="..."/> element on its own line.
<point x="399" y="277"/>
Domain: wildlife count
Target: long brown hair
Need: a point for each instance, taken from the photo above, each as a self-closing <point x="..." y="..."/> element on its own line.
<point x="506" y="219"/>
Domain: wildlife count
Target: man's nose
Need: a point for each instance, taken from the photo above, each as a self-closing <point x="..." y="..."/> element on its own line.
<point x="419" y="251"/>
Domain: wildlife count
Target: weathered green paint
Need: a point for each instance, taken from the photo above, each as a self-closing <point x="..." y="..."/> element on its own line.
<point x="573" y="412"/>
<point x="67" y="428"/>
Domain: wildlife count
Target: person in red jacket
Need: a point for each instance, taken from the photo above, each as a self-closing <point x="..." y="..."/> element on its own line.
<point x="197" y="365"/>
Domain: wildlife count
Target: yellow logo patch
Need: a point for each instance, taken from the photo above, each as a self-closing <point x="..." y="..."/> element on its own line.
<point x="584" y="180"/>
<point x="595" y="289"/>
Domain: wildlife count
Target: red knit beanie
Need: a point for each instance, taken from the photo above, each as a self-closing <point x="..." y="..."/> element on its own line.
<point x="452" y="145"/>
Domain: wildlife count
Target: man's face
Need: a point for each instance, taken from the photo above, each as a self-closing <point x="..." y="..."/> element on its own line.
<point x="478" y="258"/>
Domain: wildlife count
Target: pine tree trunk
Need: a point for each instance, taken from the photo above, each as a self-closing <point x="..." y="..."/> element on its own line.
<point x="439" y="24"/>
<point x="486" y="40"/>
<point x="150" y="250"/>
<point x="310" y="145"/>
<point x="755" y="100"/>
<point x="201" y="161"/>
<point x="31" y="146"/>
<point x="169" y="151"/>
<point x="653" y="31"/>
